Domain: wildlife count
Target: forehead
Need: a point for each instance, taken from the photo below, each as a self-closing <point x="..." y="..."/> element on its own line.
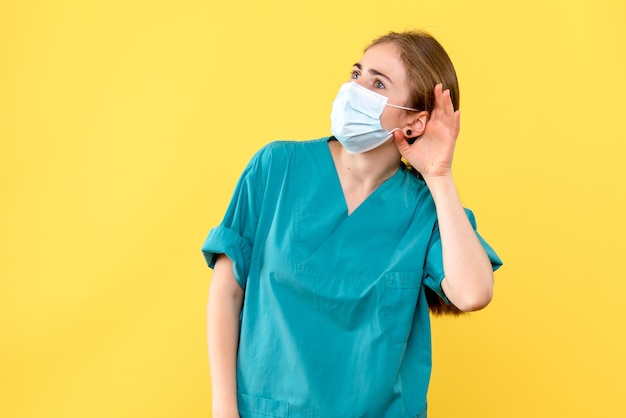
<point x="385" y="58"/>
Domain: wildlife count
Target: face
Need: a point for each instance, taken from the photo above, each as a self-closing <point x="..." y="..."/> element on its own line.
<point x="382" y="71"/>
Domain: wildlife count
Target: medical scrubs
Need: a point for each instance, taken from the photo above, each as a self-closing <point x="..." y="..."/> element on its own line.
<point x="334" y="321"/>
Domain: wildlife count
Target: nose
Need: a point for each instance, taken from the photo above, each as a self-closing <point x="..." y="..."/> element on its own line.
<point x="360" y="82"/>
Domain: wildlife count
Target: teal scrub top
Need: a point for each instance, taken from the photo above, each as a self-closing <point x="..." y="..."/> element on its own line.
<point x="334" y="321"/>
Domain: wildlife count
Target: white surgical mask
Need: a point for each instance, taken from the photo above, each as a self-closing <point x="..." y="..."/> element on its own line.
<point x="355" y="118"/>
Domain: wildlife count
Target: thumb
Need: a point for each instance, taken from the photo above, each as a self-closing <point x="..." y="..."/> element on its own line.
<point x="401" y="142"/>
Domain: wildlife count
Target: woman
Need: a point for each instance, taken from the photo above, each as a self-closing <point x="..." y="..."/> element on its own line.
<point x="336" y="245"/>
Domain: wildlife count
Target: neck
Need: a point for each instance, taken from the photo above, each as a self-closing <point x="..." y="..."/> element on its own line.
<point x="368" y="170"/>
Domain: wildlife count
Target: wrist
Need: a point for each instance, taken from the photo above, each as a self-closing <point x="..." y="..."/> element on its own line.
<point x="224" y="405"/>
<point x="442" y="188"/>
<point x="225" y="412"/>
<point x="438" y="180"/>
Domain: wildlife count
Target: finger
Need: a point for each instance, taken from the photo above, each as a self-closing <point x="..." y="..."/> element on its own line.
<point x="442" y="101"/>
<point x="455" y="126"/>
<point x="446" y="103"/>
<point x="438" y="89"/>
<point x="437" y="93"/>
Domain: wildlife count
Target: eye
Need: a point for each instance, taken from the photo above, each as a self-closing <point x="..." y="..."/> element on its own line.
<point x="355" y="75"/>
<point x="378" y="84"/>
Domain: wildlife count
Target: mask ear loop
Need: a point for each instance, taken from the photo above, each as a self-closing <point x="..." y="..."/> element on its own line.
<point x="408" y="132"/>
<point x="402" y="107"/>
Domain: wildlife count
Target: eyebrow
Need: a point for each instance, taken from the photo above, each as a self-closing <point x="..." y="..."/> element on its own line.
<point x="373" y="72"/>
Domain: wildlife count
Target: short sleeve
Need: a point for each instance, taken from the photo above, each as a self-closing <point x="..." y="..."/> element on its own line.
<point x="235" y="234"/>
<point x="433" y="270"/>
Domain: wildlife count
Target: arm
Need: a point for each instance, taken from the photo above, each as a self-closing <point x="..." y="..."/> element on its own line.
<point x="224" y="308"/>
<point x="468" y="281"/>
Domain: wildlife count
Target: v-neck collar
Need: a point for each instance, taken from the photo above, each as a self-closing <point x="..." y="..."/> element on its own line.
<point x="339" y="188"/>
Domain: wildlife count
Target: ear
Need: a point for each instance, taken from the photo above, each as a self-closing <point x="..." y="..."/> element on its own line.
<point x="416" y="125"/>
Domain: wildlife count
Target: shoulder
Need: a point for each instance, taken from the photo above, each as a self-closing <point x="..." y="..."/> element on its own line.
<point x="281" y="152"/>
<point x="285" y="147"/>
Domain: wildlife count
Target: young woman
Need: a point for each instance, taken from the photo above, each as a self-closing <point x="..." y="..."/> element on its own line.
<point x="330" y="248"/>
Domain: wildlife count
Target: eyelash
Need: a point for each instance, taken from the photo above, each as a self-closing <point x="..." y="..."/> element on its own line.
<point x="377" y="83"/>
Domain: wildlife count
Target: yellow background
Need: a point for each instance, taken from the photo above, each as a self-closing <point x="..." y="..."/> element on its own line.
<point x="125" y="124"/>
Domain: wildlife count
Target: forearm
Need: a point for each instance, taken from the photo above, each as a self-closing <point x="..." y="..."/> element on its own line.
<point x="468" y="281"/>
<point x="223" y="311"/>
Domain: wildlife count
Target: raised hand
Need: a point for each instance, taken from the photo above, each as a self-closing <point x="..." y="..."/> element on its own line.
<point x="431" y="154"/>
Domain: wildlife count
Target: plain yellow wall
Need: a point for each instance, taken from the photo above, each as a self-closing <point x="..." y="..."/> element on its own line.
<point x="125" y="124"/>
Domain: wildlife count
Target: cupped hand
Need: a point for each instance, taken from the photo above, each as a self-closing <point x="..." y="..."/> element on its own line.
<point x="431" y="154"/>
